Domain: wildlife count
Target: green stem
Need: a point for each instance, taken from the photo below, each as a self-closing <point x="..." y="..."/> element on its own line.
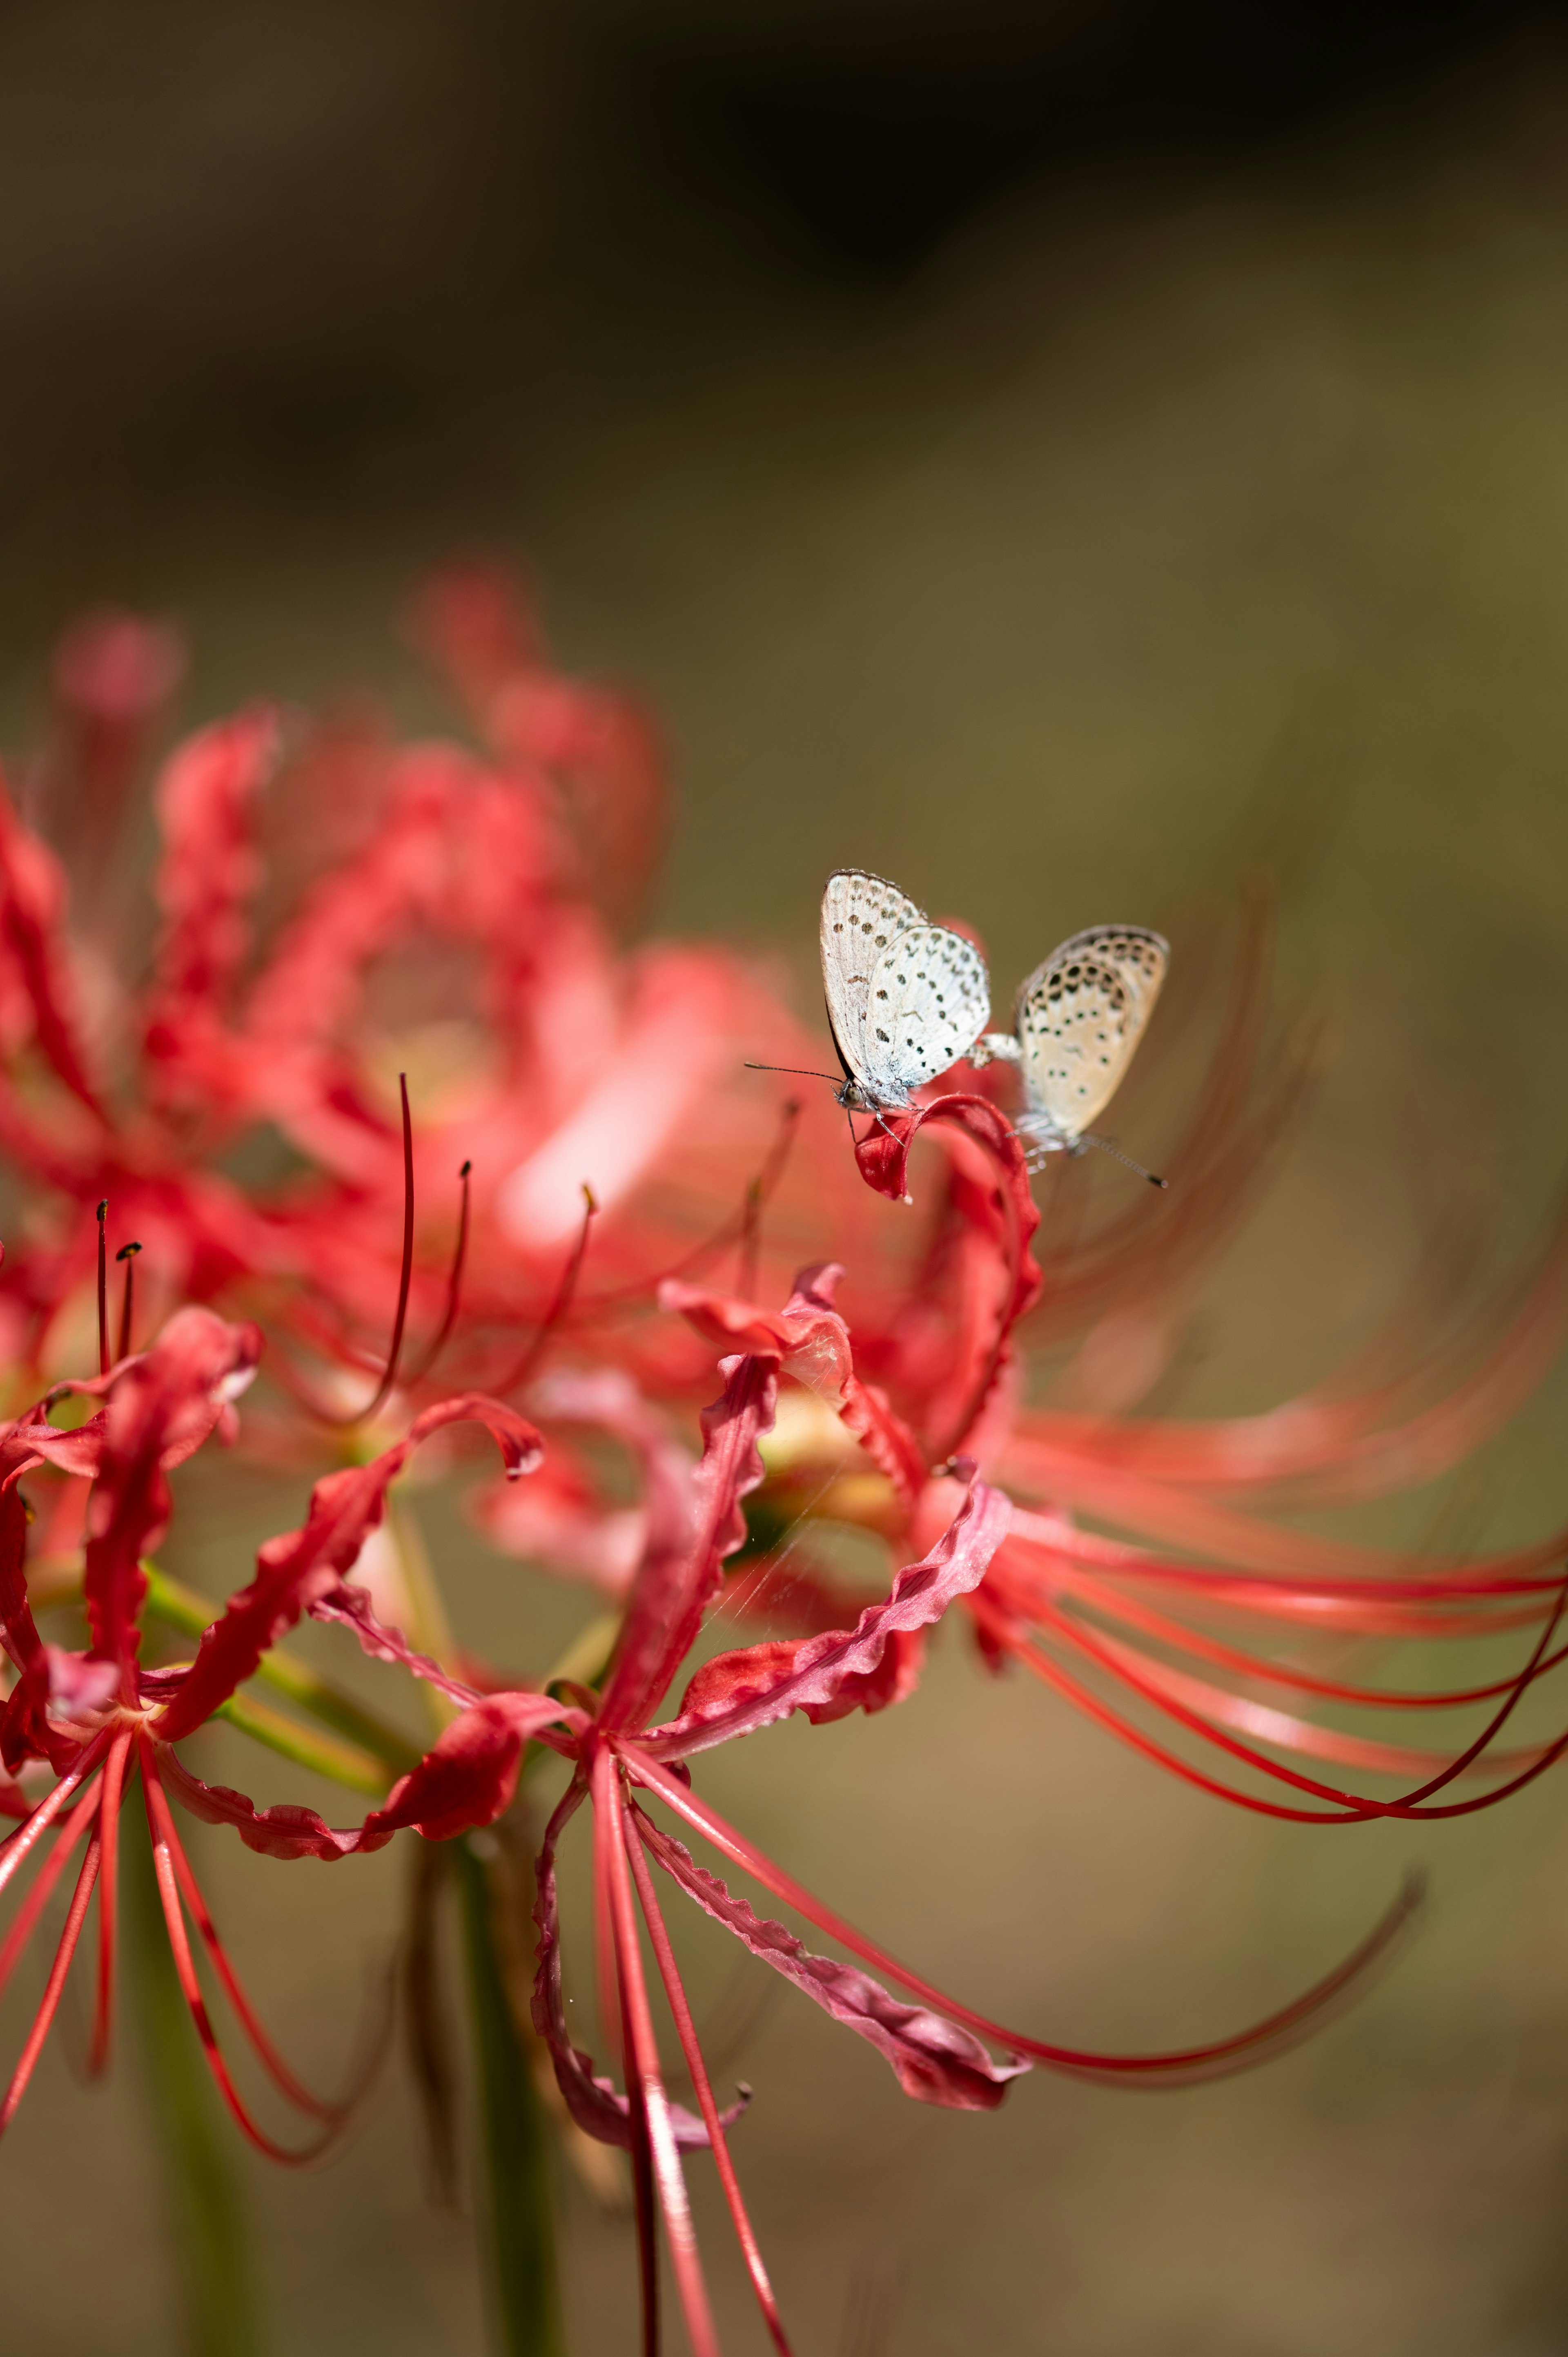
<point x="211" y="2232"/>
<point x="186" y="1610"/>
<point x="345" y="1763"/>
<point x="516" y="2155"/>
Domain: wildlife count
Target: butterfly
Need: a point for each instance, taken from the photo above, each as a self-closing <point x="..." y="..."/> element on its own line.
<point x="1079" y="1020"/>
<point x="906" y="998"/>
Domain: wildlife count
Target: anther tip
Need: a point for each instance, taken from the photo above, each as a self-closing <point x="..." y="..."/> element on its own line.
<point x="468" y="1166"/>
<point x="127" y="1251"/>
<point x="103" y="1209"/>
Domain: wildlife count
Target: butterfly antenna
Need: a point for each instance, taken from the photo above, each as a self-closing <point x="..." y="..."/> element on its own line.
<point x="1125" y="1159"/>
<point x="798" y="1070"/>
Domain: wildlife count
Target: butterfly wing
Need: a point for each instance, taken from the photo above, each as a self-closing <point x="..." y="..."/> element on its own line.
<point x="861" y="916"/>
<point x="929" y="1001"/>
<point x="1080" y="1017"/>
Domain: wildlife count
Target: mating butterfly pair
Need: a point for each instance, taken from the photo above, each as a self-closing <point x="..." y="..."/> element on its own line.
<point x="907" y="998"/>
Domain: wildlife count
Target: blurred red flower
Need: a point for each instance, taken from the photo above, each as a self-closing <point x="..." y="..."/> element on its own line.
<point x="332" y="906"/>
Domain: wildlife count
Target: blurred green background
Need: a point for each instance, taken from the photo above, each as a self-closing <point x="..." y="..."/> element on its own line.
<point x="1060" y="457"/>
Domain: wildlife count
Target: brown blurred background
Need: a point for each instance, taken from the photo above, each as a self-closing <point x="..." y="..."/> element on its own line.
<point x="1058" y="455"/>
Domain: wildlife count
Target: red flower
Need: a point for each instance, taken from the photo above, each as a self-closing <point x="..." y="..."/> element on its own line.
<point x="622" y="1754"/>
<point x="98" y="1719"/>
<point x="332" y="906"/>
<point x="1159" y="1611"/>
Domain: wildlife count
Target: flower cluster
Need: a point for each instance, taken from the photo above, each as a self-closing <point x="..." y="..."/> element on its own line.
<point x="331" y="908"/>
<point x="97" y="1720"/>
<point x="372" y="963"/>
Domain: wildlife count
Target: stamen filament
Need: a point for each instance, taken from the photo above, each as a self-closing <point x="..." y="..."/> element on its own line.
<point x="266" y="2054"/>
<point x="528" y="1364"/>
<point x="643" y="2045"/>
<point x="685" y="2028"/>
<point x="728" y="1233"/>
<point x="111" y="1794"/>
<point x="104" y="1359"/>
<point x="1171" y="2068"/>
<point x="757" y="1192"/>
<point x="405" y="1280"/>
<point x="72" y="1828"/>
<point x="50" y="2003"/>
<point x="159" y="1822"/>
<point x="17" y="1845"/>
<point x="128" y="1253"/>
<point x="454" y="1286"/>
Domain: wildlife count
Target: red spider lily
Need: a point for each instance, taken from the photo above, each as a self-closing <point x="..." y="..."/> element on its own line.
<point x="331" y="906"/>
<point x="456" y="923"/>
<point x="621" y="1755"/>
<point x="1126" y="1629"/>
<point x="99" y="1718"/>
<point x="934" y="2045"/>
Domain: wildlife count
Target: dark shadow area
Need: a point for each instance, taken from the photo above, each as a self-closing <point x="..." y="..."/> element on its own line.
<point x="878" y="144"/>
<point x="301" y="228"/>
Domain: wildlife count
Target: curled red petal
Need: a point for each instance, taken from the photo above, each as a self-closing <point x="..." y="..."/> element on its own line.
<point x="829" y="1676"/>
<point x="23" y="1730"/>
<point x="674" y="1589"/>
<point x="351" y="1606"/>
<point x="883" y="1154"/>
<point x="593" y="2100"/>
<point x="933" y="2059"/>
<point x="465" y="1779"/>
<point x="162" y="1406"/>
<point x="298" y="1570"/>
<point x="812" y="1344"/>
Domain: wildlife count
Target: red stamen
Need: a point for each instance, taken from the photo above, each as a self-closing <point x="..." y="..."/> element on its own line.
<point x="686" y="2030"/>
<point x="50" y="2003"/>
<point x="160" y="1825"/>
<point x="732" y="1230"/>
<point x="616" y="2035"/>
<point x="266" y="2054"/>
<point x="606" y="1985"/>
<point x="528" y="1364"/>
<point x="454" y="1286"/>
<point x="758" y="1192"/>
<point x="643" y="2200"/>
<point x="104" y="1359"/>
<point x="1407" y="1804"/>
<point x="111" y="1793"/>
<point x="1351" y="1810"/>
<point x="405" y="1279"/>
<point x="128" y="1253"/>
<point x="1199" y="1647"/>
<point x="17" y="1845"/>
<point x="72" y="1828"/>
<point x="1170" y="2068"/>
<point x="643" y="2045"/>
